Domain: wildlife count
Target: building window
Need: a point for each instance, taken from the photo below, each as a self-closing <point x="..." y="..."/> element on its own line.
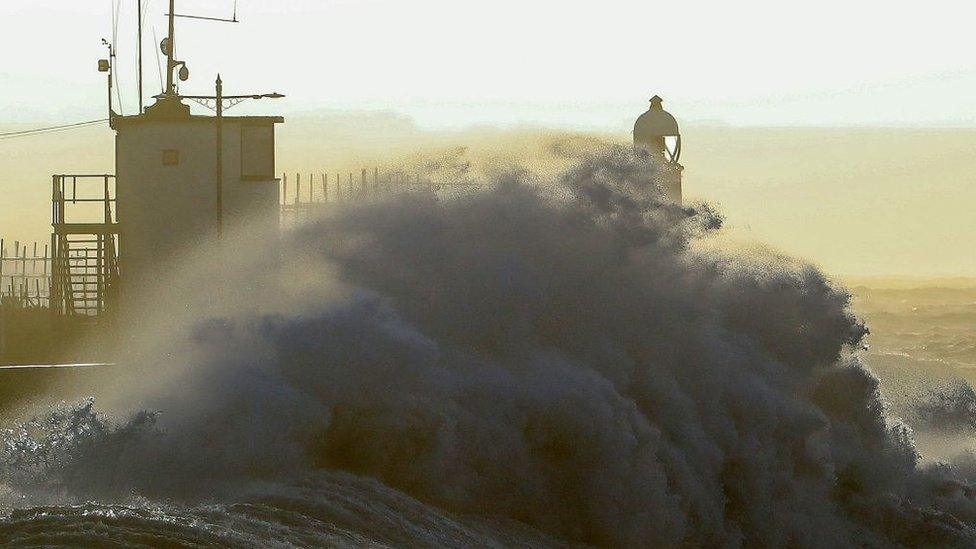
<point x="171" y="157"/>
<point x="257" y="153"/>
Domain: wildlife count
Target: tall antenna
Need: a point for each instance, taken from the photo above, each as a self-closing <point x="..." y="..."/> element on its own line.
<point x="139" y="50"/>
<point x="159" y="62"/>
<point x="113" y="48"/>
<point x="170" y="48"/>
<point x="208" y="18"/>
<point x="107" y="66"/>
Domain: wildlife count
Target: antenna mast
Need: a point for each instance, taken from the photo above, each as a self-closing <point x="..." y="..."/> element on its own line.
<point x="170" y="48"/>
<point x="139" y="49"/>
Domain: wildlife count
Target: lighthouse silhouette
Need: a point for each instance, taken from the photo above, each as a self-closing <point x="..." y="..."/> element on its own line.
<point x="656" y="136"/>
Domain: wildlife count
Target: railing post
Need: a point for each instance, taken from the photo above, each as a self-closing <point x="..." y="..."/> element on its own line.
<point x="2" y="256"/>
<point x="107" y="213"/>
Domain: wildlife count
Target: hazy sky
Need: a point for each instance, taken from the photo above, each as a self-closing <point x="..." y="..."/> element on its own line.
<point x="856" y="201"/>
<point x="583" y="64"/>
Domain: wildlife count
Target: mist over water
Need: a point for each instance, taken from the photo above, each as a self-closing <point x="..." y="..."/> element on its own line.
<point x="543" y="361"/>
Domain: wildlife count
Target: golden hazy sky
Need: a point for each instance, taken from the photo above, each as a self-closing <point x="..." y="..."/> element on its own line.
<point x="581" y="64"/>
<point x="856" y="201"/>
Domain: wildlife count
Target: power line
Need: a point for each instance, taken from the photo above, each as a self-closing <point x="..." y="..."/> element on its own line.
<point x="50" y="129"/>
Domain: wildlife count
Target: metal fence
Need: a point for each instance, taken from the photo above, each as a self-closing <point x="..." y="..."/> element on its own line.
<point x="305" y="192"/>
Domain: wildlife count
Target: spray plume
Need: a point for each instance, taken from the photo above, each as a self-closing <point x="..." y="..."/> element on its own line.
<point x="559" y="355"/>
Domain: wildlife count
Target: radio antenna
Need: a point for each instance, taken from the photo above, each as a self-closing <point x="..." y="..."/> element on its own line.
<point x="139" y="50"/>
<point x="208" y="18"/>
<point x="204" y="18"/>
<point x="159" y="62"/>
<point x="170" y="46"/>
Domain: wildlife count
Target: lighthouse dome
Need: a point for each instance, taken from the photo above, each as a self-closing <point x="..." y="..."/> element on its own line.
<point x="654" y="124"/>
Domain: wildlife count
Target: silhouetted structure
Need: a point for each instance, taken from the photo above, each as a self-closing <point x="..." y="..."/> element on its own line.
<point x="181" y="178"/>
<point x="84" y="244"/>
<point x="656" y="134"/>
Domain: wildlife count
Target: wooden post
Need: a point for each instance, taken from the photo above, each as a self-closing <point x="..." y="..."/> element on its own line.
<point x="298" y="188"/>
<point x="325" y="188"/>
<point x="23" y="262"/>
<point x="53" y="292"/>
<point x="23" y="274"/>
<point x="284" y="188"/>
<point x="100" y="272"/>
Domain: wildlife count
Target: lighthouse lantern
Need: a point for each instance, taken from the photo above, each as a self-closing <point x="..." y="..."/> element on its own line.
<point x="656" y="135"/>
<point x="656" y="132"/>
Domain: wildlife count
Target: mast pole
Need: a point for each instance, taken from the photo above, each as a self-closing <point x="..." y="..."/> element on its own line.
<point x="139" y="49"/>
<point x="220" y="156"/>
<point x="111" y="68"/>
<point x="110" y="111"/>
<point x="170" y="50"/>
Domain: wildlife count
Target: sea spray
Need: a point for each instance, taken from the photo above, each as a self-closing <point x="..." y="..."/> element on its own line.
<point x="552" y="352"/>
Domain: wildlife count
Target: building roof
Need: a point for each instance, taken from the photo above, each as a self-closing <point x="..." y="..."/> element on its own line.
<point x="151" y="119"/>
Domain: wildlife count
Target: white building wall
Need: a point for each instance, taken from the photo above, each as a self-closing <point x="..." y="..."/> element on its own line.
<point x="163" y="210"/>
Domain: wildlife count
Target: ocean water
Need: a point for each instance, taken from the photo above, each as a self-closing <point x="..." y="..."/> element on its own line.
<point x="922" y="347"/>
<point x="322" y="510"/>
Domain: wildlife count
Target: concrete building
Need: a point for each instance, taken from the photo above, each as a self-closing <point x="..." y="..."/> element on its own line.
<point x="170" y="193"/>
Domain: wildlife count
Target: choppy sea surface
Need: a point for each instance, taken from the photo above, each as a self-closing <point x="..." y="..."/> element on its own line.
<point x="922" y="347"/>
<point x="323" y="510"/>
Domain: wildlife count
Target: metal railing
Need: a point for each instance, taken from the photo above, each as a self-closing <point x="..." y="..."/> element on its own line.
<point x="84" y="244"/>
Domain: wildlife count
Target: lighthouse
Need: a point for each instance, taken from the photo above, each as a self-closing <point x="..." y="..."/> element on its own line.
<point x="656" y="135"/>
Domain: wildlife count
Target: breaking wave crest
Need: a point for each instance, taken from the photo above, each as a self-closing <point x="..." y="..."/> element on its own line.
<point x="558" y="356"/>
